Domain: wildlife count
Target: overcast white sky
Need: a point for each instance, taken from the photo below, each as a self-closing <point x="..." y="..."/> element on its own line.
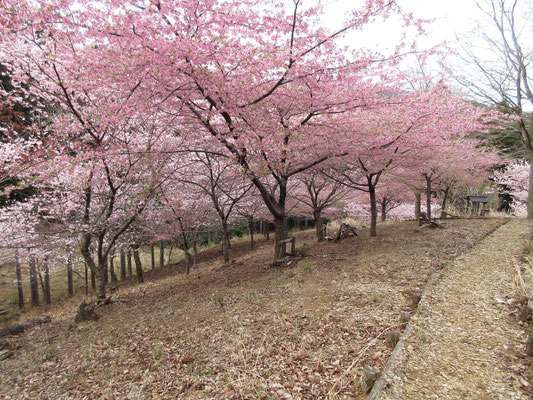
<point x="450" y="17"/>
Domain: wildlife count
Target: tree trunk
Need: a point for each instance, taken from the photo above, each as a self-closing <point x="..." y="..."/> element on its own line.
<point x="130" y="269"/>
<point x="280" y="224"/>
<point x="86" y="280"/>
<point x="373" y="211"/>
<point x="384" y="210"/>
<point x="106" y="272"/>
<point x="428" y="197"/>
<point x="40" y="279"/>
<point x="93" y="280"/>
<point x="69" y="273"/>
<point x="100" y="274"/>
<point x="97" y="263"/>
<point x="170" y="254"/>
<point x="19" y="279"/>
<point x="122" y="264"/>
<point x="34" y="286"/>
<point x="195" y="252"/>
<point x="152" y="254"/>
<point x="444" y="200"/>
<point x="161" y="254"/>
<point x="138" y="265"/>
<point x="225" y="242"/>
<point x="47" y="294"/>
<point x="319" y="225"/>
<point x="418" y="204"/>
<point x="251" y="229"/>
<point x="112" y="269"/>
<point x="187" y="262"/>
<point x="267" y="231"/>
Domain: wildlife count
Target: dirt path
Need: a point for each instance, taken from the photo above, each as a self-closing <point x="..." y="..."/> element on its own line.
<point x="464" y="337"/>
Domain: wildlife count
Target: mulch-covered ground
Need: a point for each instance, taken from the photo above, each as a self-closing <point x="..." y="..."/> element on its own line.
<point x="245" y="330"/>
<point x="467" y="342"/>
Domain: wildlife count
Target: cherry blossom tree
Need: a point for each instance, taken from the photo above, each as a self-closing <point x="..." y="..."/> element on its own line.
<point x="221" y="180"/>
<point x="408" y="132"/>
<point x="320" y="192"/>
<point x="179" y="218"/>
<point x="269" y="85"/>
<point x="252" y="208"/>
<point x="514" y="180"/>
<point x="266" y="83"/>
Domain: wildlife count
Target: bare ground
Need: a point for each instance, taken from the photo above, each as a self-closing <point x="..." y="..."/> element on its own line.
<point x="243" y="331"/>
<point x="466" y="341"/>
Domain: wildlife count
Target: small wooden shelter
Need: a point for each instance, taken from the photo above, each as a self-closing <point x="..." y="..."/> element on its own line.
<point x="477" y="205"/>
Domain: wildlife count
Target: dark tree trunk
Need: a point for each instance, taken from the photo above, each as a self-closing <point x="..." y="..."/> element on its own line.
<point x="187" y="261"/>
<point x="280" y="224"/>
<point x="112" y="269"/>
<point x="161" y="254"/>
<point x="69" y="273"/>
<point x="130" y="268"/>
<point x="86" y="280"/>
<point x="319" y="224"/>
<point x="195" y="251"/>
<point x="34" y="285"/>
<point x="152" y="254"/>
<point x="444" y="200"/>
<point x="225" y="241"/>
<point x="122" y="264"/>
<point x="267" y="231"/>
<point x="106" y="272"/>
<point x="97" y="263"/>
<point x="93" y="280"/>
<point x="101" y="280"/>
<point x="251" y="228"/>
<point x="418" y="205"/>
<point x="170" y="254"/>
<point x="138" y="265"/>
<point x="373" y="210"/>
<point x="428" y="197"/>
<point x="19" y="279"/>
<point x="47" y="294"/>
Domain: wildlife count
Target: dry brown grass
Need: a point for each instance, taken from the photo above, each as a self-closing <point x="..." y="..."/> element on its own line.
<point x="244" y="330"/>
<point x="523" y="273"/>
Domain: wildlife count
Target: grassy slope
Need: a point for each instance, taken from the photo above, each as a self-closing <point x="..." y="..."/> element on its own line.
<point x="58" y="277"/>
<point x="244" y="330"/>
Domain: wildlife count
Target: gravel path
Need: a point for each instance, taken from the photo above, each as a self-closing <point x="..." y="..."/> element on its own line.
<point x="463" y="334"/>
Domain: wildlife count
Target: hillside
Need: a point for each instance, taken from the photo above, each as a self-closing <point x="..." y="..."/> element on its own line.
<point x="244" y="330"/>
